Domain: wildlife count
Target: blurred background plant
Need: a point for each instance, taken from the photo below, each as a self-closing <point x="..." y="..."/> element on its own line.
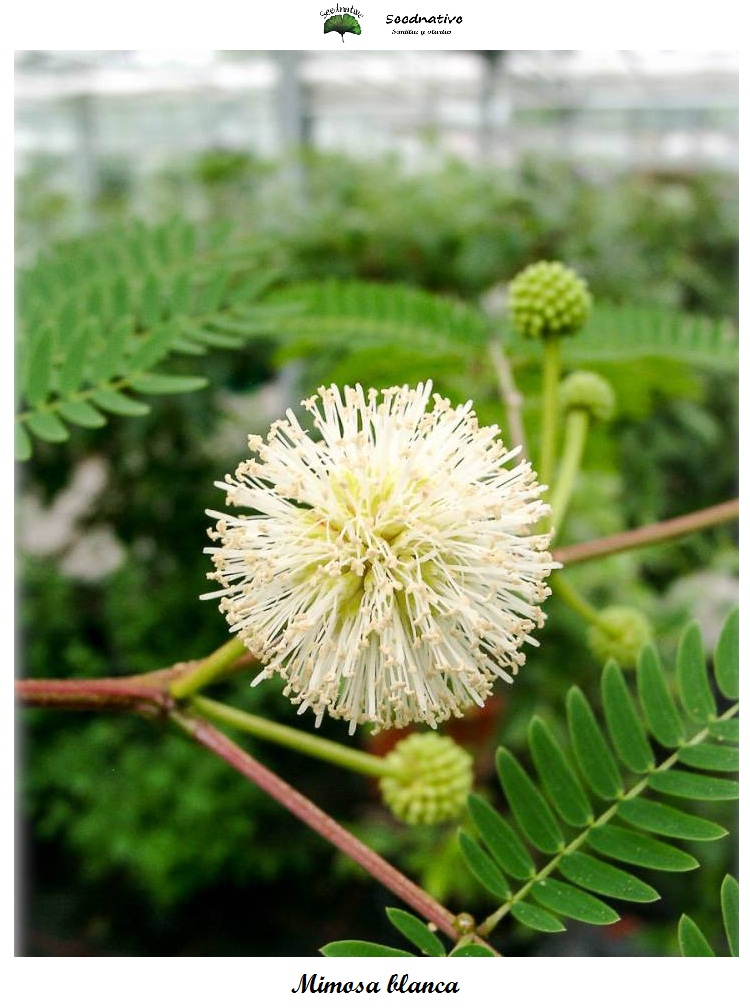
<point x="121" y="857"/>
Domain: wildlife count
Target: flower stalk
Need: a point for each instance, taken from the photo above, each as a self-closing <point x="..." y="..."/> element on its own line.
<point x="215" y="741"/>
<point x="562" y="588"/>
<point x="576" y="430"/>
<point x="290" y="738"/>
<point x="210" y="668"/>
<point x="550" y="386"/>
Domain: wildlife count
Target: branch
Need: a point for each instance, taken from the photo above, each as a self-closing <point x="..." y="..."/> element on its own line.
<point x="146" y="693"/>
<point x="649" y="535"/>
<point x="149" y="694"/>
<point x="212" y="739"/>
<point x="509" y="394"/>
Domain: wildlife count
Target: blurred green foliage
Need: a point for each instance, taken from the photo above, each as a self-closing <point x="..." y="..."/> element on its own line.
<point x="114" y="806"/>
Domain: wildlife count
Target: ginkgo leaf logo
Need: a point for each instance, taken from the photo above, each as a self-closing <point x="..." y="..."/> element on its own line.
<point x="342" y="23"/>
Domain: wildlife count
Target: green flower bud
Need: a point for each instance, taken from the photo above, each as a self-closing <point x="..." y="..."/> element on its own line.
<point x="428" y="781"/>
<point x="625" y="632"/>
<point x="548" y="299"/>
<point x="588" y="391"/>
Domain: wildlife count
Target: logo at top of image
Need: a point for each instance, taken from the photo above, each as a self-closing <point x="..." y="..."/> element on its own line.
<point x="342" y="20"/>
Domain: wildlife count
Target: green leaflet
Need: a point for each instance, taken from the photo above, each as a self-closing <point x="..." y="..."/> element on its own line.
<point x="38" y="382"/>
<point x="635" y="848"/>
<point x="531" y="811"/>
<point x="683" y="784"/>
<point x="659" y="818"/>
<point x="481" y="865"/>
<point x="656" y="701"/>
<point x="115" y="402"/>
<point x="82" y="413"/>
<point x="691" y="938"/>
<point x="536" y="918"/>
<point x="592" y="752"/>
<point x="353" y="949"/>
<point x="157" y="384"/>
<point x="558" y="777"/>
<point x="692" y="677"/>
<point x="727" y="659"/>
<point x="693" y="941"/>
<point x="624" y="725"/>
<point x="602" y="877"/>
<point x="470" y="950"/>
<point x="725" y="731"/>
<point x="23" y="447"/>
<point x="416" y="932"/>
<point x="570" y="901"/>
<point x="500" y="839"/>
<point x="705" y="756"/>
<point x="47" y="427"/>
<point x="730" y="909"/>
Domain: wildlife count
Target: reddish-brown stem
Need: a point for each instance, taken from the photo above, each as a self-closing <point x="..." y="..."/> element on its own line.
<point x="145" y="693"/>
<point x="127" y="693"/>
<point x="649" y="535"/>
<point x="211" y="738"/>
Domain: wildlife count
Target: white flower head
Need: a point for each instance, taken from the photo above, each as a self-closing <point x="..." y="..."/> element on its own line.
<point x="387" y="570"/>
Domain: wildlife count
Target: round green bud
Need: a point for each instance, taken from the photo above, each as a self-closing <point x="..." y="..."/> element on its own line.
<point x="622" y="634"/>
<point x="586" y="390"/>
<point x="548" y="299"/>
<point x="428" y="780"/>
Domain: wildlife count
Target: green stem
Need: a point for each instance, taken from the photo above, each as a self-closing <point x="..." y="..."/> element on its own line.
<point x="576" y="429"/>
<point x="292" y="738"/>
<point x="209" y="669"/>
<point x="487" y="926"/>
<point x="562" y="588"/>
<point x="550" y="383"/>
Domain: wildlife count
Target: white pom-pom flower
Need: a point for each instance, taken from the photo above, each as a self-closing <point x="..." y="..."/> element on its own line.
<point x="386" y="569"/>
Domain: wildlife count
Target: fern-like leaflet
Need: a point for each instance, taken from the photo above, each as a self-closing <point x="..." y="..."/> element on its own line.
<point x="692" y="940"/>
<point x="579" y="829"/>
<point x="98" y="316"/>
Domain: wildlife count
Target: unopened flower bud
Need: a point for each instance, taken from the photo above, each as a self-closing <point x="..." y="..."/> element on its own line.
<point x="548" y="299"/>
<point x="586" y="390"/>
<point x="429" y="779"/>
<point x="622" y="634"/>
